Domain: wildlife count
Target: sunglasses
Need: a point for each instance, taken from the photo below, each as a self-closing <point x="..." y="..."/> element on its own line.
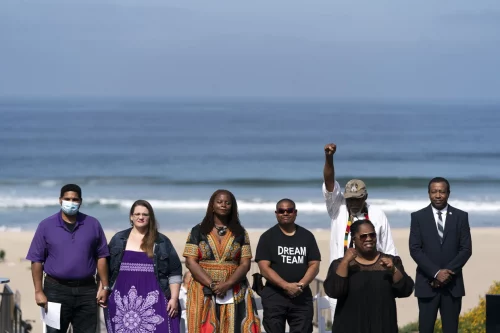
<point x="364" y="237"/>
<point x="285" y="210"/>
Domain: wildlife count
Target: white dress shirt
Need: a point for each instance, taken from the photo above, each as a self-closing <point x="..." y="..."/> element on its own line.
<point x="444" y="212"/>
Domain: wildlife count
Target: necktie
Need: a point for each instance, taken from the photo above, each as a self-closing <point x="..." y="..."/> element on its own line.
<point x="440" y="226"/>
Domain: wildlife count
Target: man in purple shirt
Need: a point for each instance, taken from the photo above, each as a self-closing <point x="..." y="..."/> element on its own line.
<point x="68" y="247"/>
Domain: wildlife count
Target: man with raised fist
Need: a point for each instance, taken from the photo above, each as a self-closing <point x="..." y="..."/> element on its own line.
<point x="347" y="207"/>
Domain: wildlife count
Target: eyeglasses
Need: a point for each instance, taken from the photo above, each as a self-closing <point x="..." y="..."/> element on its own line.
<point x="139" y="214"/>
<point x="364" y="237"/>
<point x="285" y="210"/>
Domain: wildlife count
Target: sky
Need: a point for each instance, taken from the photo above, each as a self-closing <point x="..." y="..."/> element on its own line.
<point x="426" y="50"/>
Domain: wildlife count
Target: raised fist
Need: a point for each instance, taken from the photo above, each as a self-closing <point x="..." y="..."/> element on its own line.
<point x="330" y="149"/>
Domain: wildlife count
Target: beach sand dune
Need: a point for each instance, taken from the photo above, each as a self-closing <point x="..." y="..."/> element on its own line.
<point x="479" y="273"/>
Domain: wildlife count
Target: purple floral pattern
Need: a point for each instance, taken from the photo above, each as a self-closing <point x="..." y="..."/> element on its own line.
<point x="135" y="314"/>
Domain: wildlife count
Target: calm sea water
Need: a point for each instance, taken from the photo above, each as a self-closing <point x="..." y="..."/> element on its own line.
<point x="176" y="153"/>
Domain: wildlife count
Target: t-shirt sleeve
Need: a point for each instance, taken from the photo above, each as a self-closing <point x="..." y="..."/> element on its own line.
<point x="191" y="248"/>
<point x="36" y="253"/>
<point x="333" y="200"/>
<point x="314" y="254"/>
<point x="102" y="250"/>
<point x="262" y="252"/>
<point x="246" y="250"/>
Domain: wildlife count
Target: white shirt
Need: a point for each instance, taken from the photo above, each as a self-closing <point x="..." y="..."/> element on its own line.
<point x="337" y="209"/>
<point x="443" y="211"/>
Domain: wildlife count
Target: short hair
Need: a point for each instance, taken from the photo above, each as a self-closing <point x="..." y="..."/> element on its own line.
<point x="285" y="200"/>
<point x="438" y="180"/>
<point x="71" y="188"/>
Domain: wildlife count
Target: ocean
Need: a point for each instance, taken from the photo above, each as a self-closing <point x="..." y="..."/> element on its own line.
<point x="176" y="153"/>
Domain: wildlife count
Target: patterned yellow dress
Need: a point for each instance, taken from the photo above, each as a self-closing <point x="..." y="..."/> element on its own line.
<point x="220" y="261"/>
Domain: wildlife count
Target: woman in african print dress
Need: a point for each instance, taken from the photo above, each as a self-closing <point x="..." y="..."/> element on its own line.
<point x="218" y="255"/>
<point x="145" y="272"/>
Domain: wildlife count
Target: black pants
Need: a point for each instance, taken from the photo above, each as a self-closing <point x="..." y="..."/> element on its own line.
<point x="78" y="306"/>
<point x="279" y="309"/>
<point x="449" y="308"/>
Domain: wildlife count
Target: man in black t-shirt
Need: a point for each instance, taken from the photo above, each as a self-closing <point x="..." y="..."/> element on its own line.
<point x="288" y="258"/>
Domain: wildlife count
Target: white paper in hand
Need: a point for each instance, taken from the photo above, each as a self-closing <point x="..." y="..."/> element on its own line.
<point x="52" y="317"/>
<point x="228" y="299"/>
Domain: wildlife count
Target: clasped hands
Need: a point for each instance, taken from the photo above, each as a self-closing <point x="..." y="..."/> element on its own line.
<point x="442" y="278"/>
<point x="293" y="289"/>
<point x="220" y="288"/>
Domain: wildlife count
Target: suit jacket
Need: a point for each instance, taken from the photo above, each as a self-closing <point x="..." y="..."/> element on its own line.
<point x="431" y="256"/>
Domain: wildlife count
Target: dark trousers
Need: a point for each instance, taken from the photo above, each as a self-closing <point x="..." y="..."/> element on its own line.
<point x="279" y="309"/>
<point x="449" y="308"/>
<point x="78" y="306"/>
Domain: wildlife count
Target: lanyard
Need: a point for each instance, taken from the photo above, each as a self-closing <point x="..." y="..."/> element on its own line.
<point x="348" y="230"/>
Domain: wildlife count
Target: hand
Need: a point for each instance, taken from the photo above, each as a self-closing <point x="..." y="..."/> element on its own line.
<point x="221" y="288"/>
<point x="436" y="284"/>
<point x="350" y="255"/>
<point x="41" y="300"/>
<point x="387" y="263"/>
<point x="444" y="276"/>
<point x="330" y="149"/>
<point x="293" y="289"/>
<point x="102" y="298"/>
<point x="173" y="307"/>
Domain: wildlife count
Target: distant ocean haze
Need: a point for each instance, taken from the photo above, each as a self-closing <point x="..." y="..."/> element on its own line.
<point x="176" y="153"/>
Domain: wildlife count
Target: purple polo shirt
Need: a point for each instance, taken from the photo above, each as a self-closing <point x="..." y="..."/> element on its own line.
<point x="70" y="255"/>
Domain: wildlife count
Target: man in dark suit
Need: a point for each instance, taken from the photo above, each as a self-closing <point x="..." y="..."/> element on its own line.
<point x="440" y="244"/>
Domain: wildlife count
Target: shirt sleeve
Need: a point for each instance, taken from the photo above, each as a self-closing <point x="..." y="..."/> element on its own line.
<point x="405" y="286"/>
<point x="335" y="286"/>
<point x="262" y="252"/>
<point x="333" y="200"/>
<point x="36" y="252"/>
<point x="191" y="247"/>
<point x="246" y="250"/>
<point x="385" y="239"/>
<point x="174" y="265"/>
<point x="102" y="250"/>
<point x="314" y="254"/>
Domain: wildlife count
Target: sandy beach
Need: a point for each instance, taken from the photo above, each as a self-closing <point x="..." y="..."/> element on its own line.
<point x="479" y="273"/>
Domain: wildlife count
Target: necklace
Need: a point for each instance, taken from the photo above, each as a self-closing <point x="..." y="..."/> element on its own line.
<point x="348" y="230"/>
<point x="221" y="230"/>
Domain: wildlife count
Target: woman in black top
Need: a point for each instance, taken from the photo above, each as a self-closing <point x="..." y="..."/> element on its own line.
<point x="366" y="283"/>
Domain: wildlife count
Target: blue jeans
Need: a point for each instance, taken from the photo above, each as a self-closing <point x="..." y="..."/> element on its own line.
<point x="78" y="306"/>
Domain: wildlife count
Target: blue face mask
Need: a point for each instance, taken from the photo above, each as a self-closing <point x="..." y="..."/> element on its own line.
<point x="69" y="207"/>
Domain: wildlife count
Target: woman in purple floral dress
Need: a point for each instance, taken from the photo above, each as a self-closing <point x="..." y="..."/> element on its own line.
<point x="145" y="272"/>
